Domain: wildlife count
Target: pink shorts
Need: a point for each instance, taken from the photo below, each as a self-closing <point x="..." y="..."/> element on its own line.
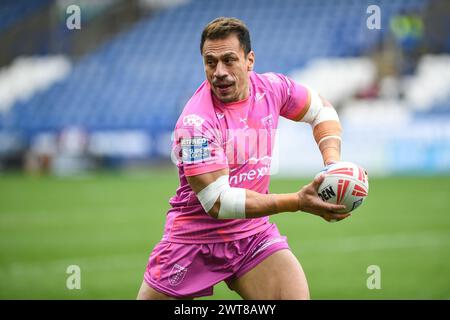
<point x="191" y="270"/>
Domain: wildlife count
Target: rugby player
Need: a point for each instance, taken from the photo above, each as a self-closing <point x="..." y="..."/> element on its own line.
<point x="218" y="228"/>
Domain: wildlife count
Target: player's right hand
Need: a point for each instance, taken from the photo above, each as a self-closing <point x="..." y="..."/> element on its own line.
<point x="309" y="201"/>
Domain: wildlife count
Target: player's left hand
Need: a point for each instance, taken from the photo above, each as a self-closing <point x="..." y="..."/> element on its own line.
<point x="310" y="202"/>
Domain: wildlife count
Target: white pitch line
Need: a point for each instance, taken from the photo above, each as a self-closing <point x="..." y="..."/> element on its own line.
<point x="381" y="242"/>
<point x="428" y="239"/>
<point x="104" y="262"/>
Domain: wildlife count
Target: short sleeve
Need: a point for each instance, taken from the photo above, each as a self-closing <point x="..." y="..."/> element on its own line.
<point x="198" y="149"/>
<point x="293" y="97"/>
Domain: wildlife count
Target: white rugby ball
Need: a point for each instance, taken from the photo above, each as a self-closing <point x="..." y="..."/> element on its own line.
<point x="345" y="183"/>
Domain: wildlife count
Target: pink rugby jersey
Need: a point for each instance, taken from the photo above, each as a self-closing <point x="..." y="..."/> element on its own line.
<point x="211" y="135"/>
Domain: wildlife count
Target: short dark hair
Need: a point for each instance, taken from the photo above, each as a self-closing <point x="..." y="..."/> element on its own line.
<point x="221" y="28"/>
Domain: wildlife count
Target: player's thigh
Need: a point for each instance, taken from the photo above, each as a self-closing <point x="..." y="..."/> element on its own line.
<point x="148" y="293"/>
<point x="279" y="276"/>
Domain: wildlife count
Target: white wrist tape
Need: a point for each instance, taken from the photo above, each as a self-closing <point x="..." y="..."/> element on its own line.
<point x="328" y="137"/>
<point x="232" y="200"/>
<point x="317" y="112"/>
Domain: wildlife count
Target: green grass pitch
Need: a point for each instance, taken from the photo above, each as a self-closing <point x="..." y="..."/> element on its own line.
<point x="108" y="223"/>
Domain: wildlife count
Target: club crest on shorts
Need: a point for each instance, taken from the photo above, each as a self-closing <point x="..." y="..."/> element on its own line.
<point x="177" y="274"/>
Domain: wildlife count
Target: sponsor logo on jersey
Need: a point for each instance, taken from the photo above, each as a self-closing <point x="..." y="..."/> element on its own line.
<point x="220" y="116"/>
<point x="259" y="96"/>
<point x="193" y="120"/>
<point x="268" y="122"/>
<point x="195" y="149"/>
<point x="253" y="174"/>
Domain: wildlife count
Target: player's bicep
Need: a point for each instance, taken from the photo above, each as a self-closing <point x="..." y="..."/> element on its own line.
<point x="326" y="126"/>
<point x="217" y="197"/>
<point x="201" y="181"/>
<point x="208" y="187"/>
<point x="321" y="115"/>
<point x="293" y="98"/>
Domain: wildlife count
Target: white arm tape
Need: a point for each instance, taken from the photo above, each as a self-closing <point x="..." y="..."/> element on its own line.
<point x="209" y="195"/>
<point x="232" y="204"/>
<point x="232" y="200"/>
<point x="317" y="112"/>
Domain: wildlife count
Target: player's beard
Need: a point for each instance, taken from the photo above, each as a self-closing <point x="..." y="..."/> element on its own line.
<point x="226" y="94"/>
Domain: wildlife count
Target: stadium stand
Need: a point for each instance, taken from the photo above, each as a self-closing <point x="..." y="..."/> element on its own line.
<point x="28" y="75"/>
<point x="12" y="11"/>
<point x="127" y="94"/>
<point x="337" y="79"/>
<point x="154" y="67"/>
<point x="425" y="94"/>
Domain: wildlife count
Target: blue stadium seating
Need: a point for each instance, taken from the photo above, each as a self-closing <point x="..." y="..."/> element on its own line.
<point x="12" y="11"/>
<point x="143" y="77"/>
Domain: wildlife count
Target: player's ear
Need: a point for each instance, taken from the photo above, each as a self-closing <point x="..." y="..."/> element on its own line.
<point x="250" y="60"/>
